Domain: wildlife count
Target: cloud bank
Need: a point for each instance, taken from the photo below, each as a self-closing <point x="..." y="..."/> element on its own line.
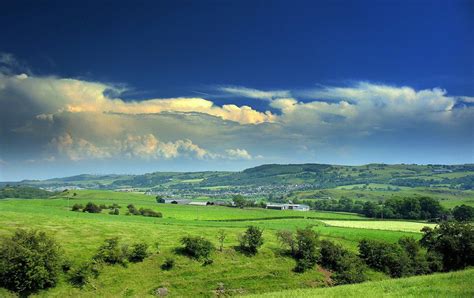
<point x="52" y="119"/>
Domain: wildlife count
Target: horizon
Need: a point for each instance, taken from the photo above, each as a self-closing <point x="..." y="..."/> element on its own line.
<point x="229" y="171"/>
<point x="219" y="85"/>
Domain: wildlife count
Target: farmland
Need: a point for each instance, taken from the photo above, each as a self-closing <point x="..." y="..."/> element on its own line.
<point x="80" y="234"/>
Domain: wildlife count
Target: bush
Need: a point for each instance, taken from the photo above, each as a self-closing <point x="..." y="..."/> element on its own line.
<point x="29" y="261"/>
<point x="150" y="213"/>
<point x="115" y="206"/>
<point x="112" y="253"/>
<point x="77" y="207"/>
<point x="115" y="211"/>
<point x="251" y="240"/>
<point x="307" y="254"/>
<point x="452" y="242"/>
<point x="82" y="274"/>
<point x="103" y="206"/>
<point x="133" y="210"/>
<point x="139" y="252"/>
<point x="168" y="264"/>
<point x="197" y="247"/>
<point x="92" y="208"/>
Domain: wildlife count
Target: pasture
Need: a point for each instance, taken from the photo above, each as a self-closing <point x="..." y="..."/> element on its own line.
<point x="80" y="234"/>
<point x="389" y="225"/>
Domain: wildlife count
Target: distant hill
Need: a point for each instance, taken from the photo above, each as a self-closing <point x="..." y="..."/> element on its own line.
<point x="24" y="192"/>
<point x="312" y="175"/>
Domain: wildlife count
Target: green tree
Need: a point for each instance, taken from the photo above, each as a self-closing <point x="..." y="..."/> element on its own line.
<point x="453" y="242"/>
<point x="251" y="240"/>
<point x="463" y="213"/>
<point x="29" y="261"/>
<point x="307" y="245"/>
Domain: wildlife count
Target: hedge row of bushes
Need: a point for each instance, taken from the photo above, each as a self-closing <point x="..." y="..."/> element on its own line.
<point x="115" y="209"/>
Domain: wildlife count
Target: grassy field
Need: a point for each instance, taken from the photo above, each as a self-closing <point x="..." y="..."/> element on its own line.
<point x="80" y="234"/>
<point x="448" y="198"/>
<point x="455" y="284"/>
<point x="390" y="225"/>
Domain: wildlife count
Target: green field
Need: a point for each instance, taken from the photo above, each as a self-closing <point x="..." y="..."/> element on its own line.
<point x="389" y="225"/>
<point x="80" y="234"/>
<point x="456" y="284"/>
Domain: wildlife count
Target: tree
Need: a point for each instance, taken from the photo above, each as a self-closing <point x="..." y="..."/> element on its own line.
<point x="453" y="242"/>
<point x="307" y="244"/>
<point x="287" y="240"/>
<point x="386" y="257"/>
<point x="160" y="199"/>
<point x="221" y="235"/>
<point x="239" y="201"/>
<point x="133" y="210"/>
<point x="251" y="240"/>
<point x="197" y="247"/>
<point x="29" y="261"/>
<point x="463" y="213"/>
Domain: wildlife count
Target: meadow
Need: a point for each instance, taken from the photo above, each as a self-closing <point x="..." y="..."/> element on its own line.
<point x="80" y="234"/>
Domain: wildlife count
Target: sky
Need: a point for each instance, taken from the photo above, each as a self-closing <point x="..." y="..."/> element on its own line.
<point x="140" y="86"/>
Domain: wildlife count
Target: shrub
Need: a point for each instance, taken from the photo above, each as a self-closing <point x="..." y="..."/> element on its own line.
<point x="197" y="247"/>
<point x="150" y="213"/>
<point x="92" y="208"/>
<point x="77" y="207"/>
<point x="251" y="240"/>
<point x="82" y="274"/>
<point x="139" y="252"/>
<point x="115" y="206"/>
<point x="103" y="206"/>
<point x="29" y="261"/>
<point x="452" y="242"/>
<point x="115" y="211"/>
<point x="306" y="254"/>
<point x="133" y="210"/>
<point x="168" y="264"/>
<point x="112" y="253"/>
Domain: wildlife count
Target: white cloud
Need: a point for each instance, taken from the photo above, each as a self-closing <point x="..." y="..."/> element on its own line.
<point x="238" y="154"/>
<point x="255" y="93"/>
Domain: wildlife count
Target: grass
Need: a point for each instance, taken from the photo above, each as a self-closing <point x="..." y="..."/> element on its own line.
<point x="80" y="234"/>
<point x="390" y="225"/>
<point x="454" y="284"/>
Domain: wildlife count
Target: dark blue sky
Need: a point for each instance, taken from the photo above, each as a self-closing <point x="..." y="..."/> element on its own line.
<point x="169" y="48"/>
<point x="137" y="86"/>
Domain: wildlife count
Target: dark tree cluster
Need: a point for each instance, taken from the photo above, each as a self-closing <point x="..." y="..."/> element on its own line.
<point x="402" y="208"/>
<point x="29" y="261"/>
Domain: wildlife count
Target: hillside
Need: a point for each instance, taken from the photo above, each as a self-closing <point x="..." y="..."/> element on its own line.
<point x="454" y="284"/>
<point x="300" y="176"/>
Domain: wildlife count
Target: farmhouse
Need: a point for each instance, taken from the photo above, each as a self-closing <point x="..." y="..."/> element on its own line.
<point x="298" y="207"/>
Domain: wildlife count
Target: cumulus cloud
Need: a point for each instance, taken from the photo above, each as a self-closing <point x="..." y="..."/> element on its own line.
<point x="238" y="154"/>
<point x="70" y="119"/>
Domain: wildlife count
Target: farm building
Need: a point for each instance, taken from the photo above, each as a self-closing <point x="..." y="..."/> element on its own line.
<point x="175" y="201"/>
<point x="201" y="203"/>
<point x="298" y="207"/>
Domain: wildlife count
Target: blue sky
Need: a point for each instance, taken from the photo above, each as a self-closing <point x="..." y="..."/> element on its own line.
<point x="138" y="86"/>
